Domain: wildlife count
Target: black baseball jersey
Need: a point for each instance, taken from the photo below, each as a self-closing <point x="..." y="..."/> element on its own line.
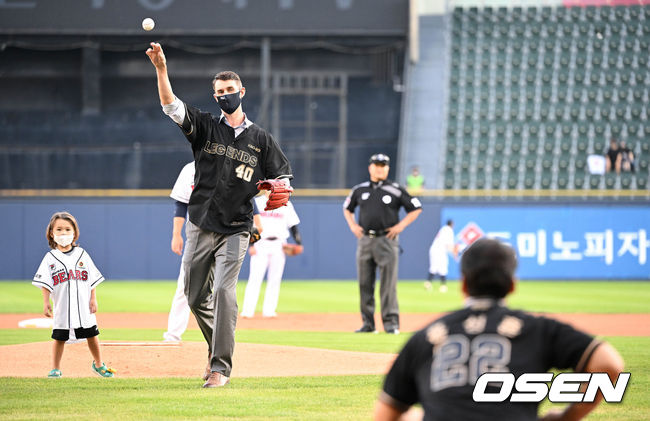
<point x="440" y="364"/>
<point x="379" y="203"/>
<point x="227" y="170"/>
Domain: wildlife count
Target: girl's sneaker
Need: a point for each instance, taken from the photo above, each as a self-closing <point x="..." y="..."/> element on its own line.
<point x="55" y="374"/>
<point x="103" y="370"/>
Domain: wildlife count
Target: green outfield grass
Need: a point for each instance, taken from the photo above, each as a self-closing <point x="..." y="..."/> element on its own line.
<point x="288" y="398"/>
<point x="343" y="297"/>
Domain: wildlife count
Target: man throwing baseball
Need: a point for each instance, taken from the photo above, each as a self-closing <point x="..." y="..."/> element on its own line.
<point x="231" y="156"/>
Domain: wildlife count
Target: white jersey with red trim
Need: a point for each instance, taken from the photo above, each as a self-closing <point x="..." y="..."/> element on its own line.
<point x="442" y="244"/>
<point x="276" y="223"/>
<point x="184" y="184"/>
<point x="444" y="240"/>
<point x="70" y="277"/>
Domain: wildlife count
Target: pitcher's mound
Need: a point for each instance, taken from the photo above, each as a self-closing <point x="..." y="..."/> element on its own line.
<point x="188" y="359"/>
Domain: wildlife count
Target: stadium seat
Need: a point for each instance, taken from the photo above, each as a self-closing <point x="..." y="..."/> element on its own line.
<point x="549" y="145"/>
<point x="565" y="145"/>
<point x="641" y="182"/>
<point x="449" y="182"/>
<point x="464" y="182"/>
<point x="645" y="146"/>
<point x="538" y="73"/>
<point x="582" y="144"/>
<point x="583" y="128"/>
<point x="513" y="180"/>
<point x="543" y="113"/>
<point x="513" y="164"/>
<point x="626" y="180"/>
<point x="599" y="145"/>
<point x="496" y="181"/>
<point x="530" y="162"/>
<point x="480" y="180"/>
<point x="529" y="181"/>
<point x="563" y="163"/>
<point x="594" y="181"/>
<point x="497" y="164"/>
<point x="550" y="129"/>
<point x="590" y="13"/>
<point x="605" y="112"/>
<point x="632" y="128"/>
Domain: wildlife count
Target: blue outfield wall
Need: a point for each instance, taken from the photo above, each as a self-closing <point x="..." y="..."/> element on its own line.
<point x="129" y="238"/>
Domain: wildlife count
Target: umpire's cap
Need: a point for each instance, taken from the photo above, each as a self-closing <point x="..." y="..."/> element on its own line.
<point x="380" y="158"/>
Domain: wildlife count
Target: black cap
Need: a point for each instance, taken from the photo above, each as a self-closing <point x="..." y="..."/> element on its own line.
<point x="380" y="158"/>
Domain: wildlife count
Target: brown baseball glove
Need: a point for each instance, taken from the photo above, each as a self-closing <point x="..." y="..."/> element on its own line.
<point x="255" y="236"/>
<point x="292" y="249"/>
<point x="280" y="192"/>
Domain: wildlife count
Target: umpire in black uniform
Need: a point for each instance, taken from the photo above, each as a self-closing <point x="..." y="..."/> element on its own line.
<point x="379" y="226"/>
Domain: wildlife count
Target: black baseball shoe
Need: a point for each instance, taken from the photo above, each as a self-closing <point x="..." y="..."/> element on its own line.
<point x="365" y="329"/>
<point x="392" y="331"/>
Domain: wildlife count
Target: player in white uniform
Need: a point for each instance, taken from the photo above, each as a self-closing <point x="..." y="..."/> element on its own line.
<point x="267" y="253"/>
<point x="442" y="245"/>
<point x="179" y="314"/>
<point x="69" y="277"/>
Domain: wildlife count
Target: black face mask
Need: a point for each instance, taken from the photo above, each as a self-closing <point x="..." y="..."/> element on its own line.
<point x="229" y="103"/>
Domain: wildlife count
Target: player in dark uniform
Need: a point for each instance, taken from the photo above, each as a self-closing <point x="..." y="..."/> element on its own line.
<point x="439" y="365"/>
<point x="379" y="202"/>
<point x="231" y="154"/>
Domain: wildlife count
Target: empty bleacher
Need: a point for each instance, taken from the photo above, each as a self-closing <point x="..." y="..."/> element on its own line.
<point x="534" y="91"/>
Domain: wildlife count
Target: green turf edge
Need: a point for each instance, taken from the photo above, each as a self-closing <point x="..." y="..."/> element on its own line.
<point x="343" y="296"/>
<point x="344" y="341"/>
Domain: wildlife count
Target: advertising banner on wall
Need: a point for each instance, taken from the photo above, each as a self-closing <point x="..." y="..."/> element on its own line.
<point x="562" y="242"/>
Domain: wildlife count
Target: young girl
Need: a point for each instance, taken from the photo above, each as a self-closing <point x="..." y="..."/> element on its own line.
<point x="69" y="276"/>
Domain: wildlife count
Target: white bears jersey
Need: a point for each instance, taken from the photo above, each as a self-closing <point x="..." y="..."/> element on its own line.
<point x="276" y="223"/>
<point x="444" y="240"/>
<point x="184" y="184"/>
<point x="70" y="277"/>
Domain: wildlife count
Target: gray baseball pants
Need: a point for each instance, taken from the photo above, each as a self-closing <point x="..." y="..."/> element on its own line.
<point x="214" y="302"/>
<point x="382" y="253"/>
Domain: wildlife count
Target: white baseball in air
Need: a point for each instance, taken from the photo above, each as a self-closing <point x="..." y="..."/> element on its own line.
<point x="148" y="24"/>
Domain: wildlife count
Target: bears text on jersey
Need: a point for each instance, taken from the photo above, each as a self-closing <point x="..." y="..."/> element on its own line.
<point x="75" y="275"/>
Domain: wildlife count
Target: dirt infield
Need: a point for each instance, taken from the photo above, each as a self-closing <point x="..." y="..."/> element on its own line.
<point x="188" y="360"/>
<point x="158" y="359"/>
<point x="596" y="324"/>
